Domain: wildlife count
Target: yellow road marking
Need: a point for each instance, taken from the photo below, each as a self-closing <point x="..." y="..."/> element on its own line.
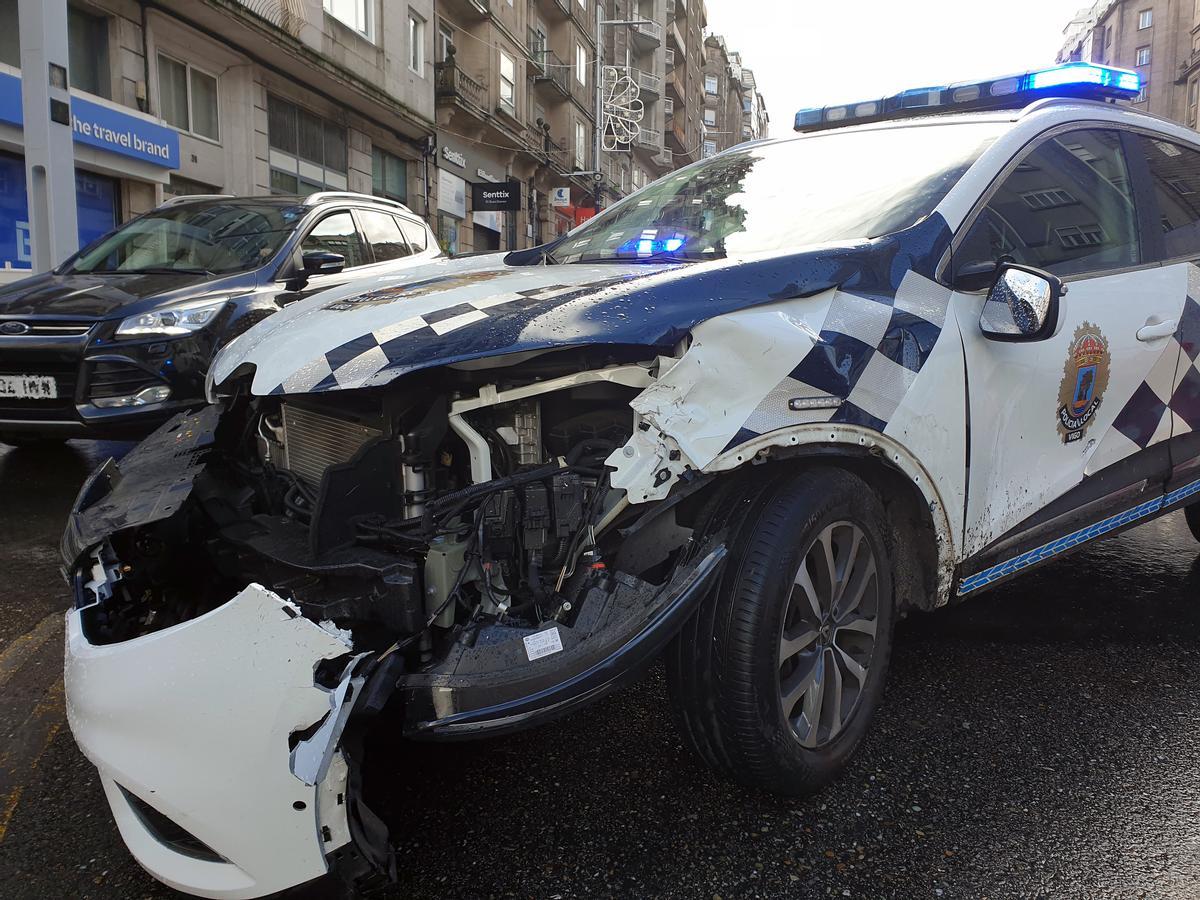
<point x="49" y="715"/>
<point x="15" y="654"/>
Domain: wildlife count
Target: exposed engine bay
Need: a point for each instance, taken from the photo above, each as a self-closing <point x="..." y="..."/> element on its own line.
<point x="458" y="524"/>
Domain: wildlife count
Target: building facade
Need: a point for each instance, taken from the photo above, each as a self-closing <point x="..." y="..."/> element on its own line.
<point x="1159" y="39"/>
<point x="423" y="101"/>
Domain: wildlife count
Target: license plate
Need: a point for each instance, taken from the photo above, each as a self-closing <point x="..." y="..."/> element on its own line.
<point x="28" y="387"/>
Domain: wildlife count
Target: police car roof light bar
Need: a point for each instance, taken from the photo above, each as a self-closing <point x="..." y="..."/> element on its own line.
<point x="1081" y="80"/>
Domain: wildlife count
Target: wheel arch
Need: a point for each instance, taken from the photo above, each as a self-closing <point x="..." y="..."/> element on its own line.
<point x="923" y="544"/>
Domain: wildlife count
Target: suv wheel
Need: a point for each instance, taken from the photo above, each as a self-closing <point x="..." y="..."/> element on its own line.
<point x="1192" y="514"/>
<point x="776" y="678"/>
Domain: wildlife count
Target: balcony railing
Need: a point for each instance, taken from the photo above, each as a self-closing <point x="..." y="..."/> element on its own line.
<point x="649" y="139"/>
<point x="648" y="83"/>
<point x="286" y="15"/>
<point x="647" y="34"/>
<point x="535" y="41"/>
<point x="670" y="58"/>
<point x="453" y="84"/>
<point x="552" y="71"/>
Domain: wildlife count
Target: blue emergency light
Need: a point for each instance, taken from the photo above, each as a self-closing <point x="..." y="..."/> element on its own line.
<point x="1080" y="80"/>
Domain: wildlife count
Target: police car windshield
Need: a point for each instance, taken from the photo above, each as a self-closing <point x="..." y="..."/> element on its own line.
<point x="211" y="238"/>
<point x="829" y="187"/>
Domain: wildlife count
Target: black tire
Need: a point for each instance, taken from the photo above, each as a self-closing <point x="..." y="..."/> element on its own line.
<point x="1192" y="515"/>
<point x="724" y="669"/>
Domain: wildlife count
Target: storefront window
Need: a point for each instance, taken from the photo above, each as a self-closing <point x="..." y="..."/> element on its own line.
<point x="97" y="211"/>
<point x="448" y="233"/>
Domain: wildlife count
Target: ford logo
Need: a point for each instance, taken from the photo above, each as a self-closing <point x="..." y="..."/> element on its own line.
<point x="13" y="328"/>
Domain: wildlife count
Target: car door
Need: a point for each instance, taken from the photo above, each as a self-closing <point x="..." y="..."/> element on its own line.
<point x="1067" y="429"/>
<point x="334" y="232"/>
<point x="1173" y="171"/>
<point x="388" y="244"/>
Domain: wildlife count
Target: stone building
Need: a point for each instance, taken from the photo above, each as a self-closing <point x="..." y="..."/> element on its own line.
<point x="1159" y="39"/>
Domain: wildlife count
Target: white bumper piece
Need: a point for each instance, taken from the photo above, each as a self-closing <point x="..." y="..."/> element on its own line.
<point x="194" y="721"/>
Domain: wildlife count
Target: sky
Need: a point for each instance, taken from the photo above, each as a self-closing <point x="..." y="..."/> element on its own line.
<point x="822" y="52"/>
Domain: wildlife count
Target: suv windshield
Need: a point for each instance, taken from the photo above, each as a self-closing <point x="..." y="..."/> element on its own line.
<point x="830" y="187"/>
<point x="216" y="238"/>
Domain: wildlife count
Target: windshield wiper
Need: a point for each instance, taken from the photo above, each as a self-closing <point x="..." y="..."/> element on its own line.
<point x="149" y="270"/>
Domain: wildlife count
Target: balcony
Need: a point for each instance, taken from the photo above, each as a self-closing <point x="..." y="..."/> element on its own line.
<point x="472" y="9"/>
<point x="675" y="82"/>
<point x="453" y="85"/>
<point x="647" y="35"/>
<point x="649" y="84"/>
<point x="675" y="36"/>
<point x="535" y="43"/>
<point x="670" y="58"/>
<point x="564" y="6"/>
<point x="668" y="109"/>
<point x="550" y="71"/>
<point x="286" y="15"/>
<point x="649" y="139"/>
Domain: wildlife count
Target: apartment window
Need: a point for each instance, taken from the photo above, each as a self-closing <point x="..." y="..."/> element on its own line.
<point x="1048" y="198"/>
<point x="416" y="44"/>
<point x="1143" y="56"/>
<point x="354" y="14"/>
<point x="445" y="40"/>
<point x="187" y="98"/>
<point x="710" y="117"/>
<point x="1145" y="19"/>
<point x="508" y="83"/>
<point x="308" y="153"/>
<point x="1144" y="93"/>
<point x="580" y="145"/>
<point x="87" y="52"/>
<point x="389" y="175"/>
<point x="580" y="64"/>
<point x="710" y="84"/>
<point x="583" y="4"/>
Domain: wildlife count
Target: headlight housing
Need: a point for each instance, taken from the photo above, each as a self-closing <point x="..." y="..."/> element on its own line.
<point x="185" y="318"/>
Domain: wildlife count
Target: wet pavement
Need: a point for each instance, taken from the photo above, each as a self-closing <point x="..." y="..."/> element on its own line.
<point x="1040" y="740"/>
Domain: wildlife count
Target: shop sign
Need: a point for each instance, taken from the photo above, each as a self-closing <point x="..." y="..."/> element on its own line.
<point x="97" y="125"/>
<point x="560" y="196"/>
<point x="505" y="196"/>
<point x="453" y="156"/>
<point x="452" y="194"/>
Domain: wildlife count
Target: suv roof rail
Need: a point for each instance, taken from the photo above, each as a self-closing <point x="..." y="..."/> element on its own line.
<point x="323" y="196"/>
<point x="193" y="198"/>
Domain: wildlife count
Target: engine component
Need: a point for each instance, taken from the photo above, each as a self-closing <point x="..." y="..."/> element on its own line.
<point x="315" y="441"/>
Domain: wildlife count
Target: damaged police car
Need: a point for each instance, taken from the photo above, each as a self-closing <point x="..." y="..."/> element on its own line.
<point x="743" y="420"/>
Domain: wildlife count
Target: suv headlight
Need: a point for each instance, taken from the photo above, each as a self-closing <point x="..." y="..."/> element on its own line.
<point x="172" y="321"/>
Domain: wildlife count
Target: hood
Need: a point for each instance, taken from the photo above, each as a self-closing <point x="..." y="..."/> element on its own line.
<point x="370" y="332"/>
<point x="105" y="296"/>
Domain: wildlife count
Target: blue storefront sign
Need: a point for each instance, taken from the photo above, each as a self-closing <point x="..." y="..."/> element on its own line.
<point x="103" y="127"/>
<point x="95" y="125"/>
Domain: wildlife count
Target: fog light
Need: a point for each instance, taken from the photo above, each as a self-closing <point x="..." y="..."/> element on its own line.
<point x="144" y="397"/>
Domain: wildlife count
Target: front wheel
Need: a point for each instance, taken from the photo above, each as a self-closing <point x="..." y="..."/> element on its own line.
<point x="776" y="678"/>
<point x="1192" y="515"/>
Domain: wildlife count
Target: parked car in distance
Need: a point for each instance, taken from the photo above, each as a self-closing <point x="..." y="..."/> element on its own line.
<point x="119" y="337"/>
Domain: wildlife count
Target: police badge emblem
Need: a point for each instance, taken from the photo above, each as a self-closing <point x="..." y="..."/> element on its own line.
<point x="1085" y="378"/>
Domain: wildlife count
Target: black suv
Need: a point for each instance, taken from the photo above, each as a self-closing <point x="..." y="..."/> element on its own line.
<point x="120" y="336"/>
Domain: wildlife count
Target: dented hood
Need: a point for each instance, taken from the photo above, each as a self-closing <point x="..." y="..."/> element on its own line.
<point x="371" y="331"/>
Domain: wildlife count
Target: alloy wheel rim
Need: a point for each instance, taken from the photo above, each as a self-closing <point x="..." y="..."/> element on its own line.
<point x="828" y="635"/>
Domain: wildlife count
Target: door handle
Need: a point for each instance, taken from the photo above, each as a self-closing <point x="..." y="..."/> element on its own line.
<point x="1155" y="330"/>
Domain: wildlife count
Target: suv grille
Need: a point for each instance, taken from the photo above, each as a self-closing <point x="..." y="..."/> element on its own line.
<point x="49" y="328"/>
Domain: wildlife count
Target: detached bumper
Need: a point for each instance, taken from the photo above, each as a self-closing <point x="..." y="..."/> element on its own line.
<point x="189" y="728"/>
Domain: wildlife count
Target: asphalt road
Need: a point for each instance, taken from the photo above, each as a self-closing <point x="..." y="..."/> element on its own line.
<point x="1038" y="741"/>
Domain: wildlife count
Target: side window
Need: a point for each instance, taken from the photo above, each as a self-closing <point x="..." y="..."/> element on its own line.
<point x="1067" y="208"/>
<point x="383" y="234"/>
<point x="337" y="234"/>
<point x="416" y="233"/>
<point x="1175" y="173"/>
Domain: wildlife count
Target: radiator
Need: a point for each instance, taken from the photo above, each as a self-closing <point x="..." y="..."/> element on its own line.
<point x="314" y="441"/>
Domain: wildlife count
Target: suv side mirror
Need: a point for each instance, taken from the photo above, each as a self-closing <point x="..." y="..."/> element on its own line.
<point x="1022" y="304"/>
<point x="323" y="262"/>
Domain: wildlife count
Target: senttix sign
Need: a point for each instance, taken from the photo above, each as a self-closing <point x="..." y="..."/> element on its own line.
<point x="503" y="195"/>
<point x="103" y="127"/>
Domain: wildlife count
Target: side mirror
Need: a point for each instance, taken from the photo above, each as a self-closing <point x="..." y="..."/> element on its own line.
<point x="322" y="262"/>
<point x="1022" y="304"/>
